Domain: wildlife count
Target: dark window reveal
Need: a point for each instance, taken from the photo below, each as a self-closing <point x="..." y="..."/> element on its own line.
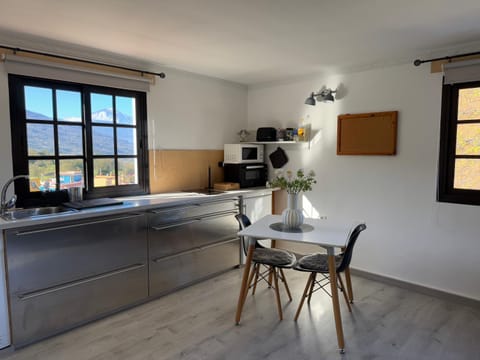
<point x="459" y="165"/>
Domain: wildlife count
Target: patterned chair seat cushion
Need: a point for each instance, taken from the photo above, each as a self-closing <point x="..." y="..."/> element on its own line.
<point x="316" y="262"/>
<point x="273" y="257"/>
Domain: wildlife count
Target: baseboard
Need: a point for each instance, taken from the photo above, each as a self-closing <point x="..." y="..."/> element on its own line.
<point x="418" y="288"/>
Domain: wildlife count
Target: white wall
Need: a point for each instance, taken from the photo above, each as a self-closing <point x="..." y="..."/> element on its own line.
<point x="188" y="111"/>
<point x="410" y="236"/>
<point x="6" y="170"/>
<point x="5" y="173"/>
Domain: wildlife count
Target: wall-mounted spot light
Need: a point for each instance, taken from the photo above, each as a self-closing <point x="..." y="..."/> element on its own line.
<point x="323" y="95"/>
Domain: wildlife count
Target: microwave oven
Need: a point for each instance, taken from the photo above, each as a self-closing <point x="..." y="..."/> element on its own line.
<point x="243" y="153"/>
<point x="247" y="175"/>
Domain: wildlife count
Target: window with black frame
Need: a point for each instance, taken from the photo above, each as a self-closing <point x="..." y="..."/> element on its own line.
<point x="68" y="135"/>
<point x="459" y="165"/>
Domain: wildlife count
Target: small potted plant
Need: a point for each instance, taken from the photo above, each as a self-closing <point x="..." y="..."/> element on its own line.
<point x="292" y="217"/>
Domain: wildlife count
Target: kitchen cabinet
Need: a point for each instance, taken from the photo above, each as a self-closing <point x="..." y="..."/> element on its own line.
<point x="190" y="243"/>
<point x="67" y="274"/>
<point x="4" y="323"/>
<point x="66" y="271"/>
<point x="256" y="205"/>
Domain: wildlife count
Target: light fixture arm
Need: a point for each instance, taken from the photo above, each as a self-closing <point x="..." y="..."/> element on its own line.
<point x="324" y="92"/>
<point x="323" y="95"/>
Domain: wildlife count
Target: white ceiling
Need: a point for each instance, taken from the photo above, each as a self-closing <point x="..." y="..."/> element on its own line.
<point x="246" y="41"/>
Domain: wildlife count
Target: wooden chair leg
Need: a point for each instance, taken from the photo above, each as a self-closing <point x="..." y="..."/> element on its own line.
<point x="312" y="285"/>
<point x="284" y="280"/>
<point x="344" y="291"/>
<point x="257" y="271"/>
<point x="251" y="276"/>
<point x="249" y="283"/>
<point x="335" y="303"/>
<point x="243" y="288"/>
<point x="277" y="293"/>
<point x="305" y="294"/>
<point x="348" y="280"/>
<point x="270" y="275"/>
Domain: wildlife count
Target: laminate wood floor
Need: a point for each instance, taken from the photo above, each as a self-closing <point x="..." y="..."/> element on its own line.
<point x="197" y="323"/>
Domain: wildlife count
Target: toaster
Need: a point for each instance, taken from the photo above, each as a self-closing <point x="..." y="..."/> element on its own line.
<point x="266" y="134"/>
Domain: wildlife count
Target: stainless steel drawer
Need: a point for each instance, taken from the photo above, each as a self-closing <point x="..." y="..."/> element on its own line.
<point x="189" y="234"/>
<point x="42" y="257"/>
<point x="42" y="313"/>
<point x="171" y="215"/>
<point x="177" y="271"/>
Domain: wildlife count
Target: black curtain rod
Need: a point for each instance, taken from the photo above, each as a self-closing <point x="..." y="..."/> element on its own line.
<point x="419" y="62"/>
<point x="161" y="75"/>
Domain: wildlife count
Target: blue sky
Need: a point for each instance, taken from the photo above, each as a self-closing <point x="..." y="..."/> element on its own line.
<point x="39" y="100"/>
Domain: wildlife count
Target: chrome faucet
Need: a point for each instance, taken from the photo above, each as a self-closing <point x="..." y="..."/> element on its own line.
<point x="4" y="205"/>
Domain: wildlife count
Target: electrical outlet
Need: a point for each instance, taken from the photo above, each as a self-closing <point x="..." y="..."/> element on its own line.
<point x="323" y="217"/>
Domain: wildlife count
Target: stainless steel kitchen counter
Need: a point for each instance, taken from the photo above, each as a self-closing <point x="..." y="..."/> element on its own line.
<point x="76" y="238"/>
<point x="132" y="203"/>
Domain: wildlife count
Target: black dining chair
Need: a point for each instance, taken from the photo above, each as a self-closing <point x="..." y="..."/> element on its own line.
<point x="268" y="265"/>
<point x="318" y="264"/>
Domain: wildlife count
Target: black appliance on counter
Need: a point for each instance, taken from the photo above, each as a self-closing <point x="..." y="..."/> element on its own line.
<point x="247" y="175"/>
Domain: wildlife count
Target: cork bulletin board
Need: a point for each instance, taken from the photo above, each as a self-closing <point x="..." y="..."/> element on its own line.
<point x="367" y="134"/>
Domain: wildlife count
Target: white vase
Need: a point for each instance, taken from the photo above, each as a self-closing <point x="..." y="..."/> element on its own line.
<point x="292" y="216"/>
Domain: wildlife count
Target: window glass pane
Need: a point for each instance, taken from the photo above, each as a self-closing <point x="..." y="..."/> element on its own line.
<point x="42" y="175"/>
<point x="71" y="173"/>
<point x="467" y="174"/>
<point x="127" y="171"/>
<point x="38" y="103"/>
<point x="102" y="140"/>
<point x="468" y="139"/>
<point x="125" y="110"/>
<point x="469" y="104"/>
<point x="104" y="172"/>
<point x="70" y="140"/>
<point x="102" y="108"/>
<point x="69" y="106"/>
<point x="126" y="141"/>
<point x="40" y="139"/>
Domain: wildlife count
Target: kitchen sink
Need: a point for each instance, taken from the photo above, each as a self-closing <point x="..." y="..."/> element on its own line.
<point x="18" y="214"/>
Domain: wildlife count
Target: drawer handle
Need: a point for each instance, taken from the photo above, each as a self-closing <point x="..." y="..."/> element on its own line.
<point x="194" y="250"/>
<point x="234" y="201"/>
<point x="169" y="226"/>
<point x="29" y="232"/>
<point x="53" y="289"/>
<point x="220" y="214"/>
<point x="205" y="217"/>
<point x="162" y="211"/>
<point x="196" y="205"/>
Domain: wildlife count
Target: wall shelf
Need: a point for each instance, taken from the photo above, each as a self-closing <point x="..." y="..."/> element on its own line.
<point x="251" y="139"/>
<point x="274" y="142"/>
<point x="278" y="143"/>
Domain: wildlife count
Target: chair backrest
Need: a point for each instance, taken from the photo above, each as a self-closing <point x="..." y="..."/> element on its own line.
<point x="347" y="254"/>
<point x="245" y="222"/>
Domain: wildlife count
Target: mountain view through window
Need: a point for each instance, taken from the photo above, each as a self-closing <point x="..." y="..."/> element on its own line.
<point x="87" y="137"/>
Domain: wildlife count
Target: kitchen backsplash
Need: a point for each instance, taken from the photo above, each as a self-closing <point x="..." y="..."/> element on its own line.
<point x="176" y="170"/>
